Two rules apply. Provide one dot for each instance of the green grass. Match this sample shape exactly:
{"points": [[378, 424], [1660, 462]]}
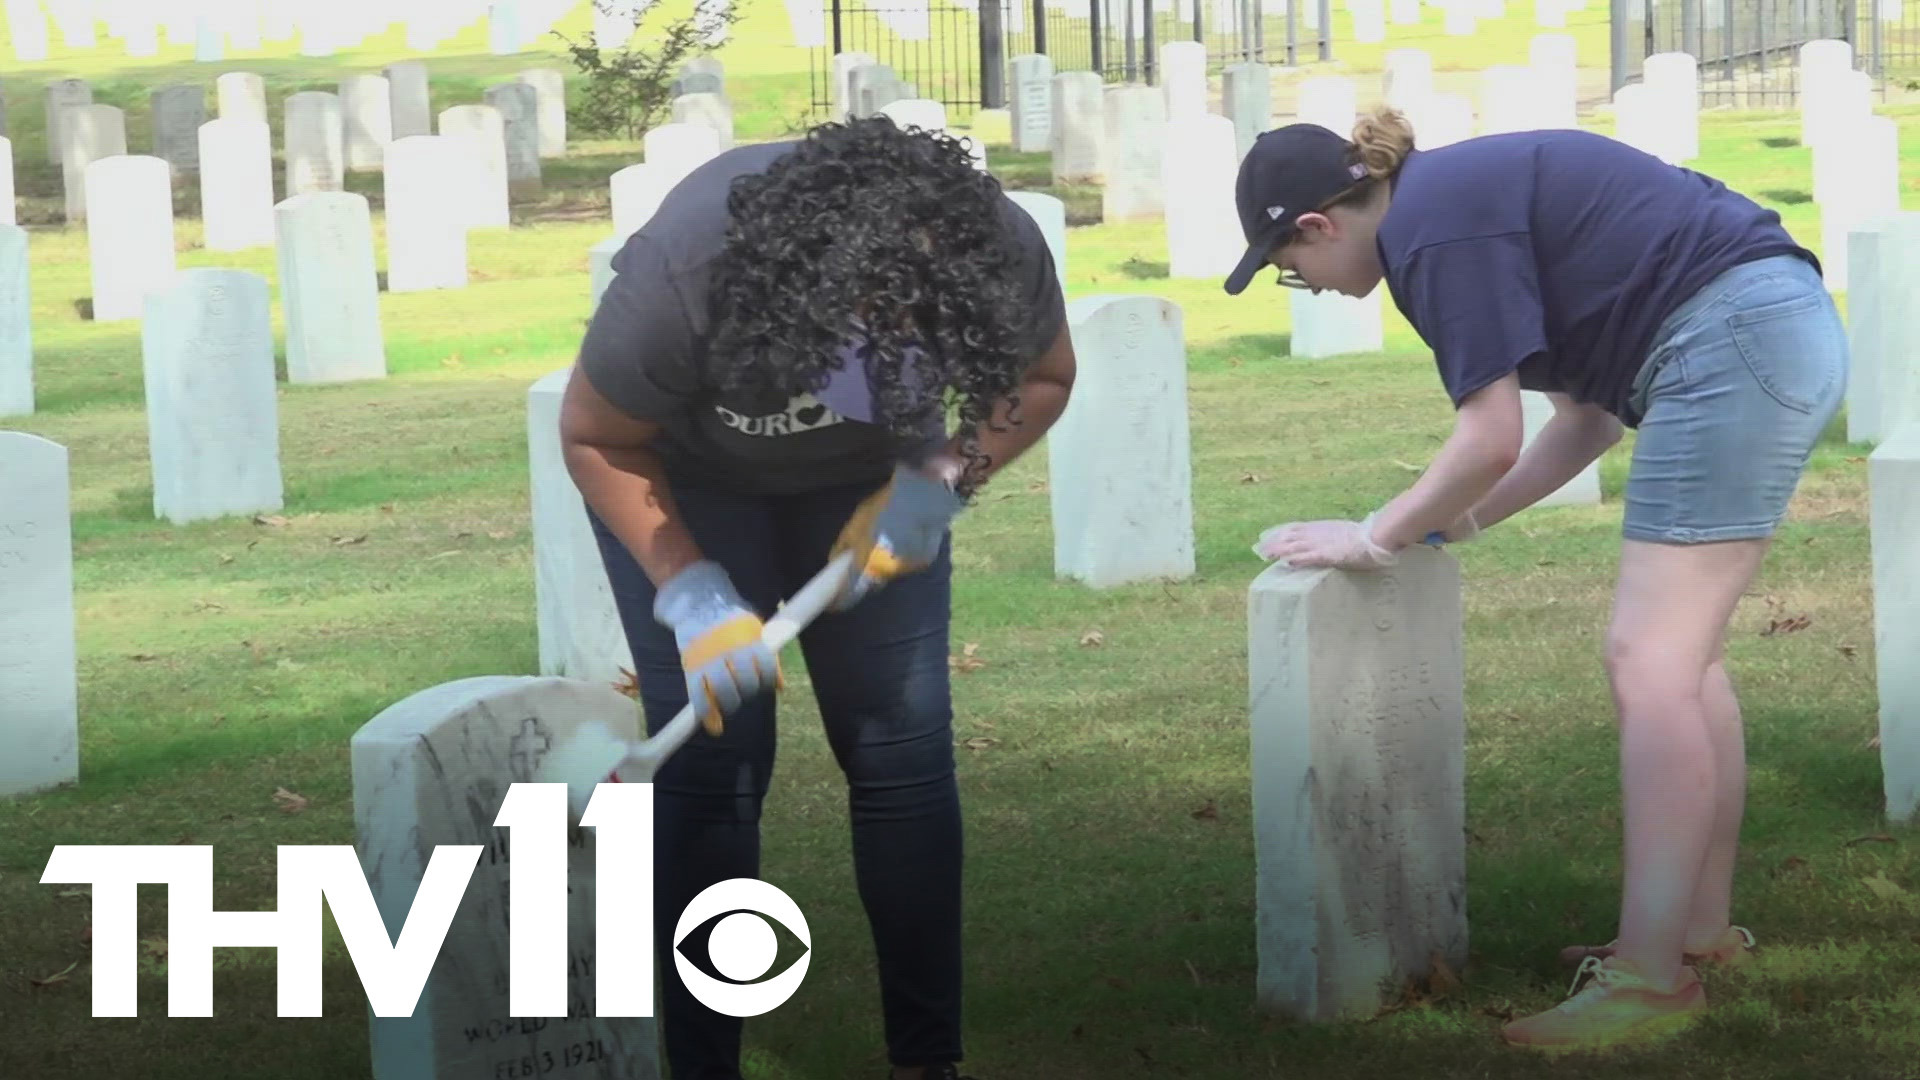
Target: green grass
{"points": [[1110, 929]]}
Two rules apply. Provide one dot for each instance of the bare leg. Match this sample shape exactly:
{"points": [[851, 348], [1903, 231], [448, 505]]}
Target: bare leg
{"points": [[1713, 896], [1670, 614]]}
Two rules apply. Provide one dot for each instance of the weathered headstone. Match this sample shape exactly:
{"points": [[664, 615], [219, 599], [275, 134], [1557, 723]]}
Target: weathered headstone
{"points": [[1183, 78], [580, 632], [1584, 489], [1032, 103], [129, 233], [1136, 125], [366, 110], [178, 112], [40, 717], [1079, 127], [923, 113], [872, 86], [432, 771], [410, 98], [479, 135], [844, 65], [1246, 93], [519, 106], [707, 110], [1358, 720], [90, 133], [550, 105], [1119, 460], [212, 418], [61, 94], [1051, 215], [315, 138], [426, 233], [236, 184], [1883, 293], [329, 288], [16, 325], [1198, 166], [242, 95]]}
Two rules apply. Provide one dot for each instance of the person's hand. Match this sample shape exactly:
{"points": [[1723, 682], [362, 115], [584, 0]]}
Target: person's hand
{"points": [[1464, 528], [725, 662], [896, 530], [1345, 545]]}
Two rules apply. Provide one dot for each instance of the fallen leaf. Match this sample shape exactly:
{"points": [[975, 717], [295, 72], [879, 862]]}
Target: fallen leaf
{"points": [[967, 660], [386, 508], [1855, 460], [463, 535], [1195, 972], [1873, 743], [1093, 639], [1117, 982], [501, 534], [1409, 466], [1250, 478], [207, 605], [629, 684], [155, 947], [142, 657], [57, 977], [289, 802], [1209, 812], [1882, 888], [443, 555], [981, 742], [225, 559], [1847, 651], [1079, 1032], [1037, 487], [1792, 863], [1786, 626], [1441, 981], [1502, 1013], [74, 894], [1877, 838], [274, 521], [348, 541]]}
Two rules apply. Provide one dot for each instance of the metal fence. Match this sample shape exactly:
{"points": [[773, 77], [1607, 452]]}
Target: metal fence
{"points": [[1748, 50], [956, 52]]}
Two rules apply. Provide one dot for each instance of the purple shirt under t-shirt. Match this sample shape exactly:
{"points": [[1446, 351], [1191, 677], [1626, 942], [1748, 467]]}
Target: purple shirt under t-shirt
{"points": [[1558, 253]]}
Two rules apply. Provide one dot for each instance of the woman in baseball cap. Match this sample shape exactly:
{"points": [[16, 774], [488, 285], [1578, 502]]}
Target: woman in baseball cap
{"points": [[767, 382], [1635, 294]]}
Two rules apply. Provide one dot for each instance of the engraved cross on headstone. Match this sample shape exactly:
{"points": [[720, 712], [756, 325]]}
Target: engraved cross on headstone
{"points": [[527, 749]]}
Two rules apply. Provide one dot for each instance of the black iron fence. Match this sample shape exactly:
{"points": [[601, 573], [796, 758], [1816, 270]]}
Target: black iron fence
{"points": [[1748, 50], [956, 52]]}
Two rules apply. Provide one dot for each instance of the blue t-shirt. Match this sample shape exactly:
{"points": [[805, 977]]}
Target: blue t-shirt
{"points": [[1558, 253]]}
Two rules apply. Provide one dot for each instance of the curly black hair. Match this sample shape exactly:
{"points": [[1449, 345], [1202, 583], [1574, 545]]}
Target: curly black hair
{"points": [[893, 230]]}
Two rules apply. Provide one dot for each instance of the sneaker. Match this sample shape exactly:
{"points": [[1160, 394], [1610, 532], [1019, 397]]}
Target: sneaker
{"points": [[1733, 950], [1615, 1006]]}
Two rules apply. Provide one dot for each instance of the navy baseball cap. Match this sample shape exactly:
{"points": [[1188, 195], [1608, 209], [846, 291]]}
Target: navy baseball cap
{"points": [[1287, 172]]}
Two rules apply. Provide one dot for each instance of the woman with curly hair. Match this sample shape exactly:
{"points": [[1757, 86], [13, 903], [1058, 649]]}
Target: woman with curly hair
{"points": [[765, 384], [1635, 294]]}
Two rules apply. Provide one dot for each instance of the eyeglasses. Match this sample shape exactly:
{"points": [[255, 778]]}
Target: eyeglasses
{"points": [[1292, 280]]}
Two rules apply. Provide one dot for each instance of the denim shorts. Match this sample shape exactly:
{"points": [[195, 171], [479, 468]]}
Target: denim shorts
{"points": [[1737, 388]]}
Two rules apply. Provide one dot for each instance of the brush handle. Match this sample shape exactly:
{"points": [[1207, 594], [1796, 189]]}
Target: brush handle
{"points": [[794, 616]]}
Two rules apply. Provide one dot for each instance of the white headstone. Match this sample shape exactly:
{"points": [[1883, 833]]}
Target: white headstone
{"points": [[61, 94], [1583, 490], [1883, 293], [844, 65], [143, 39], [1893, 481], [635, 193], [236, 184], [212, 418], [426, 233], [1409, 78], [706, 110], [1369, 21], [1246, 93], [480, 135], [550, 94], [366, 109], [1554, 59], [1199, 162], [242, 95], [410, 98], [1674, 81], [1863, 184], [922, 113], [1051, 215], [1404, 12], [1846, 101], [129, 233], [1183, 78], [209, 44], [430, 772], [40, 721], [676, 150], [329, 288], [1136, 124], [6, 179], [315, 136], [178, 112], [1079, 127], [1119, 460], [519, 106], [580, 632], [91, 132], [1330, 101], [1331, 324], [16, 325], [1822, 62], [1512, 98], [1442, 120], [1358, 715], [1461, 18], [1550, 14], [1032, 103], [600, 272]]}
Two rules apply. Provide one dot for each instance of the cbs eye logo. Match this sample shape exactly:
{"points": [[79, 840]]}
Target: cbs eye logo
{"points": [[742, 947]]}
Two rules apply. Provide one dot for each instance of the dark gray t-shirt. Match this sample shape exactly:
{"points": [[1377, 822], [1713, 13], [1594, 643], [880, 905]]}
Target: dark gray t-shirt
{"points": [[646, 351]]}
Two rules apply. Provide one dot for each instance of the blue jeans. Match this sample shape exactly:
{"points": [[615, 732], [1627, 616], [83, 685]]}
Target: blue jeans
{"points": [[1739, 384], [879, 673]]}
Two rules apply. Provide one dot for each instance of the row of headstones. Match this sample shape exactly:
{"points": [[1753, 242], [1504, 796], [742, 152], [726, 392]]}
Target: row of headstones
{"points": [[325, 134], [329, 293], [212, 28]]}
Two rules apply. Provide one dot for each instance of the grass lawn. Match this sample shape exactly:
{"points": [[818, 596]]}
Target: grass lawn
{"points": [[1109, 842]]}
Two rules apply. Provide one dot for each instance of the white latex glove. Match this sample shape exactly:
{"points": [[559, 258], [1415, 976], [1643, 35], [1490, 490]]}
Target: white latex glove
{"points": [[1463, 529], [1347, 545]]}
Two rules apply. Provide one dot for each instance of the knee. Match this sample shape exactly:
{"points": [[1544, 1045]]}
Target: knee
{"points": [[1639, 668]]}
